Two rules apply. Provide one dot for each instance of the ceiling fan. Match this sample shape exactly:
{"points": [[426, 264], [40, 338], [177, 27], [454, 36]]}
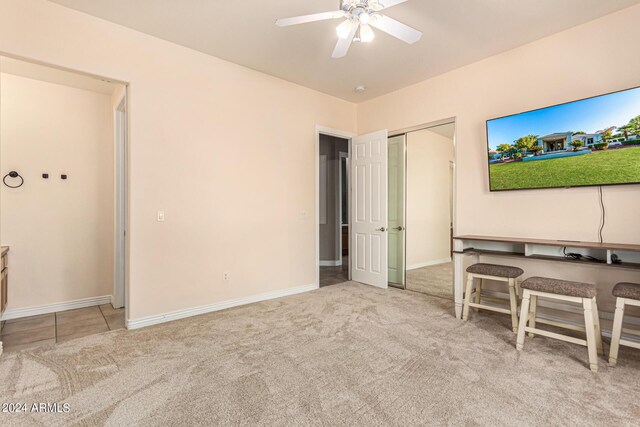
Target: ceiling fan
{"points": [[360, 16]]}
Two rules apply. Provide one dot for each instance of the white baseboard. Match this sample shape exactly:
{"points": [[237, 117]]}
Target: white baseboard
{"points": [[53, 308], [428, 263], [336, 263], [181, 314]]}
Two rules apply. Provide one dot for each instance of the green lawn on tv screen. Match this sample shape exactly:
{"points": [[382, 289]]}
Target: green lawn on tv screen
{"points": [[600, 167]]}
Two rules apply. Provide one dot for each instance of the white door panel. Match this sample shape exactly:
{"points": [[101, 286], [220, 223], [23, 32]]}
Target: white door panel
{"points": [[369, 209]]}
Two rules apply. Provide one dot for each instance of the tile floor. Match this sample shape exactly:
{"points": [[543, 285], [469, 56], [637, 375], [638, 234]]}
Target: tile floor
{"points": [[334, 275], [46, 329]]}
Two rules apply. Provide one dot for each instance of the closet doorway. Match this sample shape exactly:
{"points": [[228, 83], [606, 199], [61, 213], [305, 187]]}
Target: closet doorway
{"points": [[421, 214]]}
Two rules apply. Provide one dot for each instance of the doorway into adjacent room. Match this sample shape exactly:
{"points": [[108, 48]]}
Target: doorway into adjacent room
{"points": [[333, 227], [63, 149]]}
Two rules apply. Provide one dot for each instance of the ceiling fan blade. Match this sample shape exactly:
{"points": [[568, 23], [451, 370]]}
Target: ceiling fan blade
{"points": [[386, 4], [343, 45], [397, 29], [285, 22]]}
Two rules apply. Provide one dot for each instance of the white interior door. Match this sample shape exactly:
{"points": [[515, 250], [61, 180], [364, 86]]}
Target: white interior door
{"points": [[369, 262]]}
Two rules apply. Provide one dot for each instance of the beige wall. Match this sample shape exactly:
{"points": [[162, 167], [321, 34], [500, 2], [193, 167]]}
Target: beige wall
{"points": [[532, 76], [203, 133], [60, 231], [428, 198]]}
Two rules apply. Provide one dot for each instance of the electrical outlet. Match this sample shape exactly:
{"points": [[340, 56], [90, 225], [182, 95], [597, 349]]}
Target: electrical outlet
{"points": [[226, 276], [303, 214], [160, 216]]}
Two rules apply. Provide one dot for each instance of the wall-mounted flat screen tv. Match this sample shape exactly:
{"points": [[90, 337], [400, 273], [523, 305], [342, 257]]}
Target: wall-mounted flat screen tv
{"points": [[591, 142]]}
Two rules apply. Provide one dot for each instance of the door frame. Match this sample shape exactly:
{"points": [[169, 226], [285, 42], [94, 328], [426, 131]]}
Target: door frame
{"points": [[120, 288], [342, 155], [323, 130]]}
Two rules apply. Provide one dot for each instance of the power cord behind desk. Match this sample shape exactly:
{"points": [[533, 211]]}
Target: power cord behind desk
{"points": [[578, 256]]}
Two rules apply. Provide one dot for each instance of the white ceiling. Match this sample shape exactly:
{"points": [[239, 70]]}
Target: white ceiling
{"points": [[55, 75], [456, 33]]}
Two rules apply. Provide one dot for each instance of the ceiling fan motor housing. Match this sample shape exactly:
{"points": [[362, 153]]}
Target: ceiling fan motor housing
{"points": [[356, 7]]}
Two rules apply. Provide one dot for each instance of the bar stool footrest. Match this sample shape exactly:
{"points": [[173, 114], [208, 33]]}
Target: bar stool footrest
{"points": [[560, 324], [556, 336], [490, 308], [632, 344]]}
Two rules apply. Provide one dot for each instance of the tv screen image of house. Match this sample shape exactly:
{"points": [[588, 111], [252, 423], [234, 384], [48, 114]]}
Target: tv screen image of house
{"points": [[591, 142]]}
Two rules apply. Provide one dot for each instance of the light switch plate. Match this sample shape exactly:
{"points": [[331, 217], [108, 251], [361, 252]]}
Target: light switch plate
{"points": [[160, 216]]}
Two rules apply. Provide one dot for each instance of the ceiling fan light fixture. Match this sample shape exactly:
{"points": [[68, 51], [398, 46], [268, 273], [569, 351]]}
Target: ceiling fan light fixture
{"points": [[344, 29], [364, 18], [366, 34]]}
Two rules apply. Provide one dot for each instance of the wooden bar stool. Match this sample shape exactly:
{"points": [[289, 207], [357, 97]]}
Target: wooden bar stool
{"points": [[626, 294], [501, 273], [582, 293]]}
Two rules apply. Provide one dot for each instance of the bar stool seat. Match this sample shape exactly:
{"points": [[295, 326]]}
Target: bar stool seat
{"points": [[560, 287], [626, 294], [563, 290], [502, 273], [505, 271], [627, 290]]}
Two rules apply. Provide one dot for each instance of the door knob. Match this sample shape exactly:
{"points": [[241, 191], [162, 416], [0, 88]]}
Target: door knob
{"points": [[399, 228], [381, 229]]}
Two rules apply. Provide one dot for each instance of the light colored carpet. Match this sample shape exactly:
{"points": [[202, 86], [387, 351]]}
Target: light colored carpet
{"points": [[347, 354], [436, 280]]}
